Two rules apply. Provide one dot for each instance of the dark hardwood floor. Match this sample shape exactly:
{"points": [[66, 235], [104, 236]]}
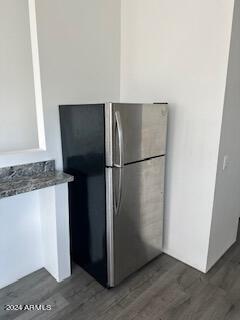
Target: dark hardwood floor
{"points": [[166, 289]]}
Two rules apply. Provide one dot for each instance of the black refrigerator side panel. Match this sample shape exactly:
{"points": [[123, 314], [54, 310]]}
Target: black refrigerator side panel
{"points": [[83, 147]]}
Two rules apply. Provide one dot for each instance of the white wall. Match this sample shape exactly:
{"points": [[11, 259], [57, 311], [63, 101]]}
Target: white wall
{"points": [[18, 123], [177, 51], [20, 237], [79, 44], [226, 207]]}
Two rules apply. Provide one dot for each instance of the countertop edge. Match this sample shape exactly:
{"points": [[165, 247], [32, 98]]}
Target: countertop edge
{"points": [[56, 178]]}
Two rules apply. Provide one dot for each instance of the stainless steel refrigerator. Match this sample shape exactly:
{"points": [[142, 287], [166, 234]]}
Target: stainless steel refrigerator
{"points": [[116, 152]]}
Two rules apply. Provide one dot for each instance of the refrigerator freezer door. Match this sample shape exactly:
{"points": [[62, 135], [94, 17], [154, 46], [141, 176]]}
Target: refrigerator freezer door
{"points": [[141, 129], [136, 228]]}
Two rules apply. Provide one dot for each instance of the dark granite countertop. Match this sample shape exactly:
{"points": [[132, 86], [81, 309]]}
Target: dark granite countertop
{"points": [[29, 177]]}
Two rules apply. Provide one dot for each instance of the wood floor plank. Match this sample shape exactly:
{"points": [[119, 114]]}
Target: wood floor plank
{"points": [[12, 291], [107, 303], [165, 289], [57, 303], [152, 303]]}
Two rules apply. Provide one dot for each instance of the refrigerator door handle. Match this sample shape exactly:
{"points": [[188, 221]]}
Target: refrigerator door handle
{"points": [[119, 166], [118, 198], [120, 139]]}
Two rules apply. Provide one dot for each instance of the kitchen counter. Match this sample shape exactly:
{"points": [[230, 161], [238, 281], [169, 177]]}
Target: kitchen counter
{"points": [[29, 177]]}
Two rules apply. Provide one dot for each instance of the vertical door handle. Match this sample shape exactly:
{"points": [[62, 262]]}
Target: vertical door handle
{"points": [[119, 166], [120, 139], [118, 195]]}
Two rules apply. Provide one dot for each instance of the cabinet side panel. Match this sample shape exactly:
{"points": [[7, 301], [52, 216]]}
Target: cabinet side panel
{"points": [[83, 145]]}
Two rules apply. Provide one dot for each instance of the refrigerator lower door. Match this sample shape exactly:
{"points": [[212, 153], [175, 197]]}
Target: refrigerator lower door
{"points": [[135, 225]]}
